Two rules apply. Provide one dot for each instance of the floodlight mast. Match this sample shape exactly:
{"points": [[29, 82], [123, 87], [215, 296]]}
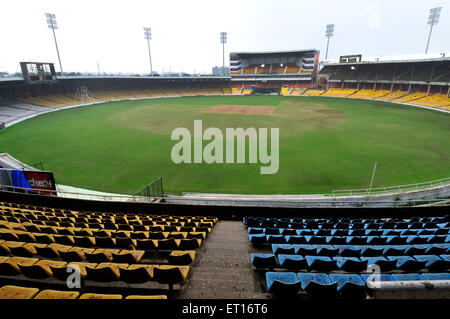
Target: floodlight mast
{"points": [[329, 32], [223, 40], [52, 24], [433, 19], [148, 37]]}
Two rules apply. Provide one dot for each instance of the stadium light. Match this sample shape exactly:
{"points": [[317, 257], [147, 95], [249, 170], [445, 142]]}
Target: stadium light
{"points": [[52, 24], [148, 37], [329, 32], [433, 19], [223, 40]]}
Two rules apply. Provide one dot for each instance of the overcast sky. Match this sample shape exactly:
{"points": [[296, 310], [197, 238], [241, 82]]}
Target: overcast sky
{"points": [[186, 32]]}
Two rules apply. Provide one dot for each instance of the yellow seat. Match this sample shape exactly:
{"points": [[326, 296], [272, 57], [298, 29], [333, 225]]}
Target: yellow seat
{"points": [[57, 294], [100, 296], [146, 297], [16, 292], [181, 257]]}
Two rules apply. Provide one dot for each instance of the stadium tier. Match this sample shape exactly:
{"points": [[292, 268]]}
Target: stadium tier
{"points": [[338, 256], [339, 92], [38, 243]]}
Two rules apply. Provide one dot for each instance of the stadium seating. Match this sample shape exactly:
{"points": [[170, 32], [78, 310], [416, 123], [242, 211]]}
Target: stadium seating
{"points": [[410, 98], [369, 94], [334, 257], [435, 100], [42, 243], [392, 96], [339, 92]]}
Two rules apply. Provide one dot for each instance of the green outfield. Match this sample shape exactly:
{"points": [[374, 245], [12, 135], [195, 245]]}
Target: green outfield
{"points": [[325, 144]]}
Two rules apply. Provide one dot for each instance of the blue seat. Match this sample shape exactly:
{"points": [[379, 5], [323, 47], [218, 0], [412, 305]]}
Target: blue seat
{"points": [[288, 232], [371, 251], [395, 240], [305, 250], [292, 262], [257, 238], [283, 249], [339, 232], [392, 232], [316, 239], [407, 263], [445, 257], [434, 263], [403, 277], [295, 239], [416, 239], [411, 250], [327, 251], [373, 232], [255, 230], [351, 264], [272, 231], [282, 282], [436, 276], [317, 284], [263, 260], [437, 239], [305, 232], [376, 240], [436, 249], [349, 284], [382, 262], [394, 251], [350, 251], [321, 263], [356, 240], [336, 240], [275, 239]]}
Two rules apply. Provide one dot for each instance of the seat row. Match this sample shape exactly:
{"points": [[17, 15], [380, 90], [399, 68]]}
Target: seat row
{"points": [[358, 251], [348, 285], [18, 292], [349, 240], [35, 268], [350, 232], [351, 264], [341, 225], [74, 253]]}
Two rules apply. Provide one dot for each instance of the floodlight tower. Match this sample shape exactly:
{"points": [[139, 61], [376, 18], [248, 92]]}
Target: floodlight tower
{"points": [[433, 19], [52, 24], [148, 37], [329, 32], [223, 40]]}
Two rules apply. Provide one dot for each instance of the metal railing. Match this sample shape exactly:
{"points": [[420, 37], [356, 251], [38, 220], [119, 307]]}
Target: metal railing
{"points": [[391, 189], [152, 190]]}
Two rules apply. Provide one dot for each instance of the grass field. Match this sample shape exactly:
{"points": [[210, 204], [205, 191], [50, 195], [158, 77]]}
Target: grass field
{"points": [[325, 144]]}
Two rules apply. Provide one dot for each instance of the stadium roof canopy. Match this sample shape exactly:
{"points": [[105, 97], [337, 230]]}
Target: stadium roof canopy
{"points": [[394, 59], [274, 53]]}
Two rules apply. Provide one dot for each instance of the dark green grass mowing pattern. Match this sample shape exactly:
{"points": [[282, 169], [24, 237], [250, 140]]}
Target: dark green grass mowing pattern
{"points": [[325, 144]]}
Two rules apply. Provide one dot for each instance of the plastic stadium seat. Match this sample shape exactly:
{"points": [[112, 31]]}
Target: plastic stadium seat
{"points": [[376, 240], [305, 250], [8, 268], [182, 258], [291, 232], [351, 264], [57, 294], [368, 251], [356, 240], [407, 263], [415, 250], [125, 242], [157, 235], [105, 242], [321, 263], [292, 262], [16, 292], [283, 283], [146, 297], [105, 272], [100, 296], [283, 249], [189, 244], [349, 284], [263, 260], [436, 249], [257, 238], [336, 240], [41, 269], [317, 284], [295, 239], [272, 231], [316, 239], [146, 244], [414, 239], [254, 230], [136, 274], [275, 239], [350, 251], [329, 251], [434, 263], [436, 276], [164, 274], [403, 277], [382, 262], [83, 241], [394, 251], [128, 256], [63, 272]]}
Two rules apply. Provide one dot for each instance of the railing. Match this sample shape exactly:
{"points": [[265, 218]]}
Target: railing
{"points": [[194, 201], [391, 189], [152, 190]]}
